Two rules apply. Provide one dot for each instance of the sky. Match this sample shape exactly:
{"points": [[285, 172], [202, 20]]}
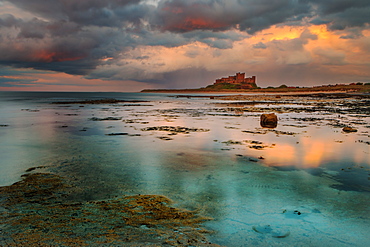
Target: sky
{"points": [[130, 45]]}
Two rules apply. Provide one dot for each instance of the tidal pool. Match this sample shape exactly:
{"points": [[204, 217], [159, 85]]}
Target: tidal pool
{"points": [[303, 183]]}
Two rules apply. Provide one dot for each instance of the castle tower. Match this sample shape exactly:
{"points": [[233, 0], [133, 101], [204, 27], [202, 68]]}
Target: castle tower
{"points": [[239, 78]]}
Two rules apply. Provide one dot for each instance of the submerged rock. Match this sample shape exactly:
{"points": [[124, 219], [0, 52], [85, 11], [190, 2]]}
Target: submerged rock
{"points": [[269, 120], [276, 232]]}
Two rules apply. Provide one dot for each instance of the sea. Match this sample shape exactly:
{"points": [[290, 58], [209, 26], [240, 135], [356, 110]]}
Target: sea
{"points": [[303, 183]]}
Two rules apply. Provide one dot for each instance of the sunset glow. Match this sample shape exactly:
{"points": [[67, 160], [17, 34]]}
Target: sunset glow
{"points": [[281, 42], [48, 57]]}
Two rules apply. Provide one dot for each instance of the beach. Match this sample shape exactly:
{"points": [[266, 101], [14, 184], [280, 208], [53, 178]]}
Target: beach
{"points": [[184, 169]]}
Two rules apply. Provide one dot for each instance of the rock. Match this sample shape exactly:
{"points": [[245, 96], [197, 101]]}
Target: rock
{"points": [[174, 129], [349, 129], [117, 134], [105, 119], [165, 138], [269, 120]]}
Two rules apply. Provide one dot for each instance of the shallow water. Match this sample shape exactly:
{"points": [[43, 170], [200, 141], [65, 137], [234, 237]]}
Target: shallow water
{"points": [[311, 188]]}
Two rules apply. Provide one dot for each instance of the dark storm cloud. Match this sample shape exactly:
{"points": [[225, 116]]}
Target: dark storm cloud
{"points": [[341, 14], [59, 46], [72, 36], [75, 37], [255, 15], [84, 12], [217, 15]]}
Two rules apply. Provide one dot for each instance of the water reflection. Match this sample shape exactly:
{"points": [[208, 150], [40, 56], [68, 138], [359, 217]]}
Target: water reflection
{"points": [[315, 170]]}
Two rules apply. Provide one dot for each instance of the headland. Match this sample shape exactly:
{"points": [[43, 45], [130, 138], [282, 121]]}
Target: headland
{"points": [[239, 84]]}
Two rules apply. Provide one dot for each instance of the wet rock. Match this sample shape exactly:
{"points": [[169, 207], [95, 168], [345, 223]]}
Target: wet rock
{"points": [[258, 147], [30, 110], [255, 132], [231, 142], [117, 134], [268, 120], [265, 131], [177, 129], [4, 125], [366, 142], [165, 138], [105, 119], [31, 169], [349, 129]]}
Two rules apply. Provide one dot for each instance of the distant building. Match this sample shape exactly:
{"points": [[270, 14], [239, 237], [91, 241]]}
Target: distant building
{"points": [[239, 78]]}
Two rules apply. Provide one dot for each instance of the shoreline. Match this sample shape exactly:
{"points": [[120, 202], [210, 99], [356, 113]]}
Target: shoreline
{"points": [[323, 89], [244, 92], [221, 95]]}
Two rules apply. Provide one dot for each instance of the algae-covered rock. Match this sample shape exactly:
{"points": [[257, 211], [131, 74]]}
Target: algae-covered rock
{"points": [[34, 212]]}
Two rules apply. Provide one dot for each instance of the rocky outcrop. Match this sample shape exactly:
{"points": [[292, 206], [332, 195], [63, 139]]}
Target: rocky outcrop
{"points": [[269, 120]]}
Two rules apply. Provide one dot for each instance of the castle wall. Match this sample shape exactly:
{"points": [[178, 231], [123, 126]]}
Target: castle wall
{"points": [[239, 78]]}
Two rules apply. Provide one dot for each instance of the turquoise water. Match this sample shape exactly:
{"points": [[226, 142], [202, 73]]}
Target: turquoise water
{"points": [[311, 188]]}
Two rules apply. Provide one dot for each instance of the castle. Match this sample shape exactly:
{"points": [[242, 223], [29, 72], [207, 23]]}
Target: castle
{"points": [[238, 79]]}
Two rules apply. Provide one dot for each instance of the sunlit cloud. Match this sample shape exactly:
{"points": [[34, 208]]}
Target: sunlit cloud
{"points": [[156, 42]]}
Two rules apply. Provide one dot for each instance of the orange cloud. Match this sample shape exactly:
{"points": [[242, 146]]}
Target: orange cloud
{"points": [[280, 33], [47, 56], [194, 23]]}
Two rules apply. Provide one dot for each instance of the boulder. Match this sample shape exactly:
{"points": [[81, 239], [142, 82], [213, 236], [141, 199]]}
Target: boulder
{"points": [[269, 120], [349, 129]]}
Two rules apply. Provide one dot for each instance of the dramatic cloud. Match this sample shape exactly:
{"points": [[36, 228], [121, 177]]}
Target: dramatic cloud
{"points": [[164, 41]]}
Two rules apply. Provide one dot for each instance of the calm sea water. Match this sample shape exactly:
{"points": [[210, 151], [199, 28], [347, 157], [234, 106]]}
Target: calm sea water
{"points": [[312, 185]]}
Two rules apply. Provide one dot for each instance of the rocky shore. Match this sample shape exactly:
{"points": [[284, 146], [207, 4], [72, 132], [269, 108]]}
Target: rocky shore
{"points": [[36, 212]]}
